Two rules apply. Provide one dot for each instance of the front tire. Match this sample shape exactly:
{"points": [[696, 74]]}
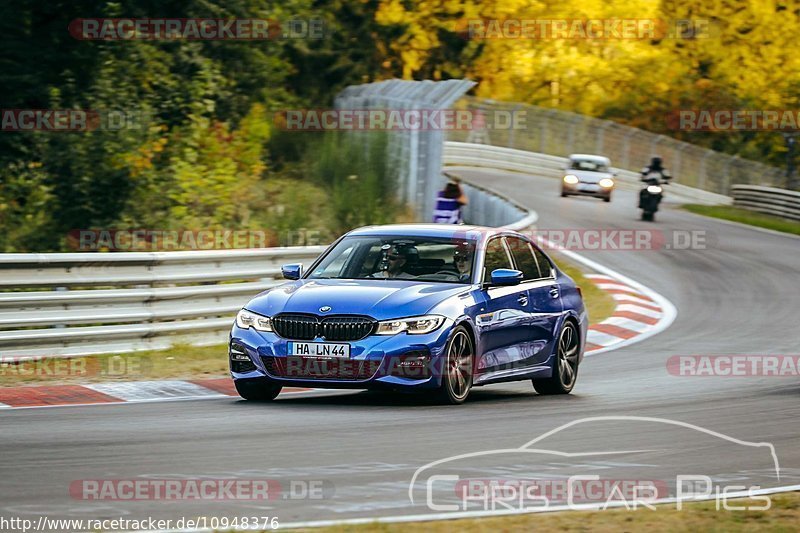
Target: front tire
{"points": [[457, 368], [257, 390], [565, 368]]}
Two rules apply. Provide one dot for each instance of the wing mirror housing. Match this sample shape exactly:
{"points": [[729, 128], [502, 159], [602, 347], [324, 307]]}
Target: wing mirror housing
{"points": [[292, 271], [506, 276]]}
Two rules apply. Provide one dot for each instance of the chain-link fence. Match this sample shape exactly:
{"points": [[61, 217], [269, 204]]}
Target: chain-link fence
{"points": [[556, 132], [414, 154]]}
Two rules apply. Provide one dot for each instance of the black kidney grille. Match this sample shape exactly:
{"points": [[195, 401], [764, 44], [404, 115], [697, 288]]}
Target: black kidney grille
{"points": [[342, 328], [332, 328], [299, 327]]}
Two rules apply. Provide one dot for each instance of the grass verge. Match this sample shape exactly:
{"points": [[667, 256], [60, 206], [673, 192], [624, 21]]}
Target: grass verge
{"points": [[599, 303], [745, 216], [783, 516], [197, 362], [178, 362]]}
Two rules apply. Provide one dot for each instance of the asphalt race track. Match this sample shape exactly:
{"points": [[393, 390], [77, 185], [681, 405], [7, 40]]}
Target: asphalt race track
{"points": [[739, 295]]}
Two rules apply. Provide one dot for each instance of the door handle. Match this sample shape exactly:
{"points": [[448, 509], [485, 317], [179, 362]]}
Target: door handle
{"points": [[522, 300], [554, 292]]}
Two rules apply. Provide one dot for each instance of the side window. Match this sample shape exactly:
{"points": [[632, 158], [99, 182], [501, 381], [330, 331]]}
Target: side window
{"points": [[523, 258], [496, 257], [545, 266]]}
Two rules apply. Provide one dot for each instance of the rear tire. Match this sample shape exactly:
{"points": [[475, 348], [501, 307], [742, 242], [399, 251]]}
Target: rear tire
{"points": [[457, 367], [565, 367], [256, 390]]}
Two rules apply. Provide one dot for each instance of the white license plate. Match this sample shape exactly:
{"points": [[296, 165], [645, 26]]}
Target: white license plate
{"points": [[319, 349], [588, 187]]}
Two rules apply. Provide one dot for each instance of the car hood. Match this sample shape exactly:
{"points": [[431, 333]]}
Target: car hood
{"points": [[379, 298], [587, 176]]}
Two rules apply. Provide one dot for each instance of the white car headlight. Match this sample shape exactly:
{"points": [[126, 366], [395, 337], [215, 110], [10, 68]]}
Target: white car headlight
{"points": [[606, 183], [654, 189], [415, 325], [247, 319], [571, 179]]}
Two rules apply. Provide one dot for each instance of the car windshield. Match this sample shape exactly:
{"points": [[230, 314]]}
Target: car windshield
{"points": [[590, 165], [444, 260]]}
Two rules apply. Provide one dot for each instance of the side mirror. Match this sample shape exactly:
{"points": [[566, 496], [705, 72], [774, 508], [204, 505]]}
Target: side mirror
{"points": [[292, 271], [506, 276]]}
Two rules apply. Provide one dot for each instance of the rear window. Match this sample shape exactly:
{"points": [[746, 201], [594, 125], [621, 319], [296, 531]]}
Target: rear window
{"points": [[523, 258]]}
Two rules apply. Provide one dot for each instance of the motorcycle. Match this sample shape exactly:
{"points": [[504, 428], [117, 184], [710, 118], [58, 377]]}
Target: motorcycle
{"points": [[651, 195]]}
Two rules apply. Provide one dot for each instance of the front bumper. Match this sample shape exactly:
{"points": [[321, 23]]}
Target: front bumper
{"points": [[586, 189], [377, 361]]}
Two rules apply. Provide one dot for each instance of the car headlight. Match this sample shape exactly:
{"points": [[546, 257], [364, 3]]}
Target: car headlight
{"points": [[415, 325], [571, 179], [606, 182], [247, 319], [654, 189]]}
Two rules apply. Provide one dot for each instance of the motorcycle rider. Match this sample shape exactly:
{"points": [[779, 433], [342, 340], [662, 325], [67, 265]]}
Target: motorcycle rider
{"points": [[653, 174]]}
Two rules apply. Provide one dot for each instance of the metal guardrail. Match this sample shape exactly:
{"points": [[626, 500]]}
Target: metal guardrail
{"points": [[84, 303], [770, 200], [488, 208]]}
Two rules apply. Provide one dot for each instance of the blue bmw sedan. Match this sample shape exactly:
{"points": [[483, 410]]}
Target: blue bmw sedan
{"points": [[415, 307]]}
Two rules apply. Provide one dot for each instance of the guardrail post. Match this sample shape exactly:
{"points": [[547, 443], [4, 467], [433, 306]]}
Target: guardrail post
{"points": [[600, 137], [512, 133], [543, 132], [726, 179], [701, 179], [626, 148], [654, 144], [676, 167]]}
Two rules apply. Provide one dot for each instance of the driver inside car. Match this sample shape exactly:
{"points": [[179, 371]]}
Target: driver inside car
{"points": [[462, 258], [396, 259]]}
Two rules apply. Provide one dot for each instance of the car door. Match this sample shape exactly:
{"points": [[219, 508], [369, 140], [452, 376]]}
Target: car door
{"points": [[504, 321], [542, 309], [544, 295]]}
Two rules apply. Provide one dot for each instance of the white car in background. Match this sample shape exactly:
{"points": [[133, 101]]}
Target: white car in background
{"points": [[588, 175]]}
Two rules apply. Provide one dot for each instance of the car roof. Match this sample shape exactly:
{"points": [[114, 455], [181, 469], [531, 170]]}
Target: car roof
{"points": [[447, 231], [590, 157]]}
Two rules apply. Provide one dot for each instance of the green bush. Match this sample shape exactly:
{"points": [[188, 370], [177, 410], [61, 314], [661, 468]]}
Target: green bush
{"points": [[353, 167]]}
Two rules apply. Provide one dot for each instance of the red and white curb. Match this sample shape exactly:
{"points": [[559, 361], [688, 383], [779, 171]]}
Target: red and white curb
{"points": [[635, 314], [641, 312], [120, 392]]}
